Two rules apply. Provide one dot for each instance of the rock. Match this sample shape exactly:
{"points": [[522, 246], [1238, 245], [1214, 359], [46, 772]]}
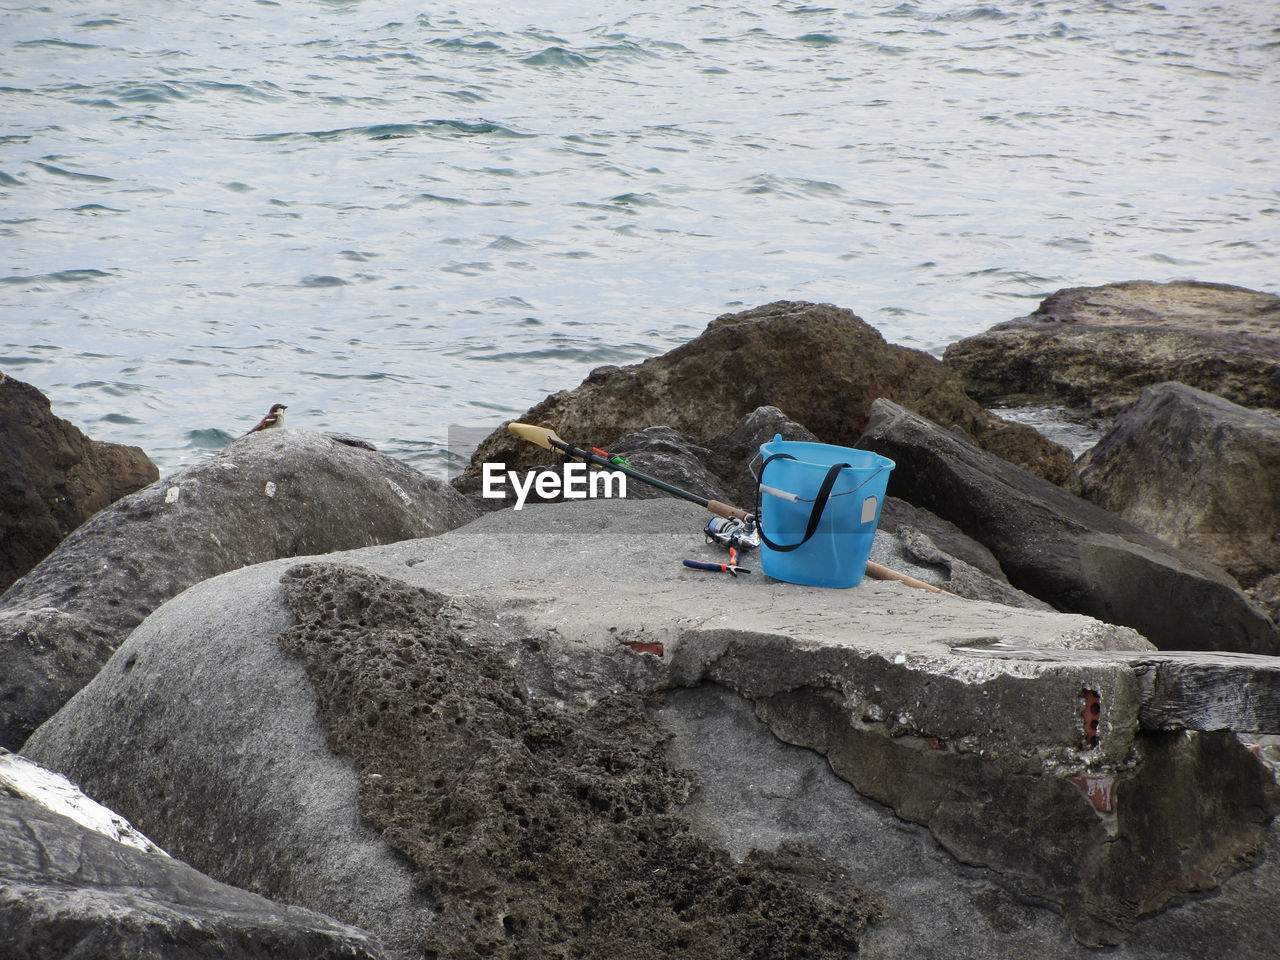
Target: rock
{"points": [[818, 364], [663, 453], [1198, 471], [20, 777], [758, 791], [53, 477], [530, 814], [945, 535], [911, 551], [68, 891], [1065, 550], [272, 494], [217, 754], [487, 711], [1098, 347], [659, 452], [1266, 594], [732, 453]]}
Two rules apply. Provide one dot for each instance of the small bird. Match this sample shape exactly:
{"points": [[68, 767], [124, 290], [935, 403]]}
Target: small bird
{"points": [[274, 418]]}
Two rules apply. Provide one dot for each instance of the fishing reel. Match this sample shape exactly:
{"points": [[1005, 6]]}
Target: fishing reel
{"points": [[732, 532]]}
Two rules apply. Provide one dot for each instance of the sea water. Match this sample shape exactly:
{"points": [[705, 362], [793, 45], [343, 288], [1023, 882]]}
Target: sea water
{"points": [[397, 217]]}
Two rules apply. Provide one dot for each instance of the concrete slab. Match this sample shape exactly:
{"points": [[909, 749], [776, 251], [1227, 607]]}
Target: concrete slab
{"points": [[617, 563], [608, 573]]}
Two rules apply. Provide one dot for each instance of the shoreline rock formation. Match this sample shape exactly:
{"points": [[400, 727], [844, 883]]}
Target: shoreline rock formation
{"points": [[1196, 470], [271, 494], [822, 366], [52, 477], [540, 731], [1065, 550], [70, 888], [1098, 347], [901, 690]]}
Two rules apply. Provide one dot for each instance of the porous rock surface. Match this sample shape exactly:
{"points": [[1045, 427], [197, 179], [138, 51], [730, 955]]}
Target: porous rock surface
{"points": [[537, 826], [53, 477], [464, 693], [821, 365], [277, 493], [1097, 347], [1198, 471], [68, 891], [1065, 550]]}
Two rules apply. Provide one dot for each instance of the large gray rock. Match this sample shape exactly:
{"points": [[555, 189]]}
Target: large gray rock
{"points": [[1198, 471], [491, 795], [487, 694], [1065, 550], [945, 535], [757, 791], [53, 477], [908, 549], [218, 756], [1098, 347], [819, 364], [278, 493], [68, 891], [732, 454]]}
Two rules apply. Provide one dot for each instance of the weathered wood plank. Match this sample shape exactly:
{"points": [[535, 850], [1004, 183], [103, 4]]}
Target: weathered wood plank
{"points": [[1180, 690], [1189, 695]]}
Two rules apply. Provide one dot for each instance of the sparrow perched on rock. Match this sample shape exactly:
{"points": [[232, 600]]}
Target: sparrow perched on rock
{"points": [[274, 418]]}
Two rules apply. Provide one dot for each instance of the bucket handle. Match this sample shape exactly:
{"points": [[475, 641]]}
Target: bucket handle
{"points": [[815, 512]]}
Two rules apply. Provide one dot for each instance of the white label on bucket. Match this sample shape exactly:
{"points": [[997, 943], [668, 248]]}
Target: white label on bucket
{"points": [[868, 509]]}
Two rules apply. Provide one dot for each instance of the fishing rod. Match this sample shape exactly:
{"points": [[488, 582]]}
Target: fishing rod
{"points": [[548, 439]]}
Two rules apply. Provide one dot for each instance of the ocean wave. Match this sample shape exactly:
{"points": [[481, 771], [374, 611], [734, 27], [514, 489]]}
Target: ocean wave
{"points": [[72, 174], [557, 57], [59, 276], [793, 187], [595, 354], [974, 13], [819, 39], [627, 50], [508, 243], [112, 388], [393, 131], [467, 45], [54, 42], [146, 93], [208, 438], [97, 208]]}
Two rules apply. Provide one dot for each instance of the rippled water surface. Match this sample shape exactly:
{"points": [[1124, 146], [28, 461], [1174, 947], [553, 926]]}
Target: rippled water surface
{"points": [[395, 217]]}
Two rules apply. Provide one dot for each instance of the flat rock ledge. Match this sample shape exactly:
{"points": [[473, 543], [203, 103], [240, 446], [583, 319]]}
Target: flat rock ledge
{"points": [[1065, 798]]}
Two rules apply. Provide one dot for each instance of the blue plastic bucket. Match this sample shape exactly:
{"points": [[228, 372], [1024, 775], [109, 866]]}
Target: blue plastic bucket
{"points": [[818, 519]]}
